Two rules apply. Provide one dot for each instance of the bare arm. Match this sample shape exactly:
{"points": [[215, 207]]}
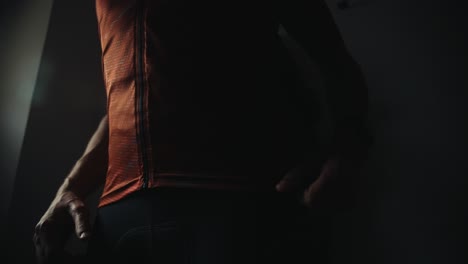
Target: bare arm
{"points": [[311, 24], [68, 211], [89, 172]]}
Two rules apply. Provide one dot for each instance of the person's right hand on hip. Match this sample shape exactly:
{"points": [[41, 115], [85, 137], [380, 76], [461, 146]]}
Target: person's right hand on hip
{"points": [[67, 213]]}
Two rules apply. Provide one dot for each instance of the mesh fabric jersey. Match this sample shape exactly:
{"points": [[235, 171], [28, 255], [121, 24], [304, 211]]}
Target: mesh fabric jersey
{"points": [[200, 94]]}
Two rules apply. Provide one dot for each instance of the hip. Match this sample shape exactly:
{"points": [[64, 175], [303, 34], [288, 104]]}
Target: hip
{"points": [[173, 225]]}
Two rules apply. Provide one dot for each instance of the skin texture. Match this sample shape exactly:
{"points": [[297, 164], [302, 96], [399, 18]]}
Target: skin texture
{"points": [[312, 26], [68, 212]]}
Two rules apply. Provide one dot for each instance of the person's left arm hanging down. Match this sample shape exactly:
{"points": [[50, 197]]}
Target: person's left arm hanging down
{"points": [[311, 24]]}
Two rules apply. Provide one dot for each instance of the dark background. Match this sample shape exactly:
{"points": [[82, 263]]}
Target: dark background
{"points": [[412, 194]]}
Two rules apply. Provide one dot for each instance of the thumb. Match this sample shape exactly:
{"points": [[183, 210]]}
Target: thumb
{"points": [[300, 176], [328, 172], [296, 178], [80, 216]]}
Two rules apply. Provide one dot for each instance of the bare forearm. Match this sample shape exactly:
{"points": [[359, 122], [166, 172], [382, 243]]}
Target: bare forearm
{"points": [[312, 25], [89, 172]]}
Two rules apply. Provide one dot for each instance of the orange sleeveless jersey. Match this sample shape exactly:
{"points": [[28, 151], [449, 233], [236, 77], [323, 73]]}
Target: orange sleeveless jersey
{"points": [[200, 94]]}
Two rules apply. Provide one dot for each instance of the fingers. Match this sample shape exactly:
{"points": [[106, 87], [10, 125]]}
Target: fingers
{"points": [[38, 244], [300, 176], [310, 194], [53, 229], [327, 174], [80, 216], [47, 242], [290, 182]]}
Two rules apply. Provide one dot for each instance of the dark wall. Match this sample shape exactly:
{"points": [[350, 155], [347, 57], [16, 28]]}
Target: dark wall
{"points": [[412, 197], [68, 103], [23, 26]]}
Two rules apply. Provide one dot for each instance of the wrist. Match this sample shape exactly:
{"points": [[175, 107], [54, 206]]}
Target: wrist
{"points": [[71, 188]]}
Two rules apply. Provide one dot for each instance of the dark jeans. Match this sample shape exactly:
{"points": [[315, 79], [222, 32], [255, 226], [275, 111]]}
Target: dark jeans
{"points": [[172, 226]]}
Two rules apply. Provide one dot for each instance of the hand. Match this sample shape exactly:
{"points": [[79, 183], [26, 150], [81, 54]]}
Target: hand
{"points": [[333, 180], [67, 212], [298, 180]]}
